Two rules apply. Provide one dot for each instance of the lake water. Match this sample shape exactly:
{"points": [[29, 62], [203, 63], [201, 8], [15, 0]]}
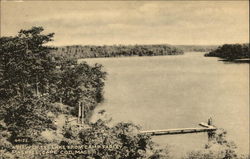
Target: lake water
{"points": [[165, 92]]}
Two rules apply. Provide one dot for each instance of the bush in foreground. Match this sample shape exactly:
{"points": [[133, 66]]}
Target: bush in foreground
{"points": [[218, 148]]}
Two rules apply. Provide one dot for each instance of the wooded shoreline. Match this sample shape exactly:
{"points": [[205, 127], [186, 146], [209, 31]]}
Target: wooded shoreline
{"points": [[38, 87]]}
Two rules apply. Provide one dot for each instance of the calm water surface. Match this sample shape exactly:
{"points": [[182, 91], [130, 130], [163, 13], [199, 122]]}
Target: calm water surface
{"points": [[178, 91]]}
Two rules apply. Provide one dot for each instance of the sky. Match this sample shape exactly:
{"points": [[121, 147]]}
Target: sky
{"points": [[131, 22]]}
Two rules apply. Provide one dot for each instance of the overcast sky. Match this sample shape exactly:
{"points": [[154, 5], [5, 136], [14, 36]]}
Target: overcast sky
{"points": [[131, 22]]}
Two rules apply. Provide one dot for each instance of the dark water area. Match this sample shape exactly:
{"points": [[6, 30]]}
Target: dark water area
{"points": [[165, 92]]}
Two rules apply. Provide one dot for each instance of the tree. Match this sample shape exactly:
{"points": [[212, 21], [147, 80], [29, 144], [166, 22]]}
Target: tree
{"points": [[26, 64], [33, 80], [81, 83]]}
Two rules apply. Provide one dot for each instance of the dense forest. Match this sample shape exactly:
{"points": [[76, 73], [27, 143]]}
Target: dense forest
{"points": [[231, 52], [91, 51], [39, 97]]}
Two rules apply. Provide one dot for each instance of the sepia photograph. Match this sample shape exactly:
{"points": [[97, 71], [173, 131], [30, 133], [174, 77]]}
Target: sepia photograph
{"points": [[124, 79]]}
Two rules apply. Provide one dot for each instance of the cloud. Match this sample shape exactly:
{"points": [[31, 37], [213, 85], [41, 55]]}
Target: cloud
{"points": [[177, 22]]}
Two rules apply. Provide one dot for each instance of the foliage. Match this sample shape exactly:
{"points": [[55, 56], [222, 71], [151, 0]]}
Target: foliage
{"points": [[82, 81], [77, 51], [231, 51], [28, 116], [125, 138], [78, 83], [28, 69], [33, 81], [5, 145], [25, 63], [218, 148]]}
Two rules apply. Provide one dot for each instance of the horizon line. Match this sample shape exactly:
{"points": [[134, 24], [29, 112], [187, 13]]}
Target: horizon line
{"points": [[119, 44]]}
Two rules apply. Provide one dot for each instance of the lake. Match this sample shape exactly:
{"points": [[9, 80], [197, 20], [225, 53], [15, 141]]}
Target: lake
{"points": [[164, 92]]}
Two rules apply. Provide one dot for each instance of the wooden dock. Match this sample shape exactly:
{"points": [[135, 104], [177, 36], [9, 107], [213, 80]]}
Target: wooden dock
{"points": [[209, 128], [177, 131], [205, 127]]}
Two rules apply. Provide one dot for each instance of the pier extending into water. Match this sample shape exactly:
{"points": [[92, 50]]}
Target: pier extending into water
{"points": [[205, 127], [209, 128]]}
